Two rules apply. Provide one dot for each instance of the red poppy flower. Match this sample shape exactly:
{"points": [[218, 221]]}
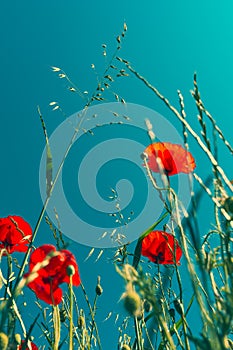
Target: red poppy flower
{"points": [[49, 277], [33, 346], [174, 158], [15, 234], [159, 247]]}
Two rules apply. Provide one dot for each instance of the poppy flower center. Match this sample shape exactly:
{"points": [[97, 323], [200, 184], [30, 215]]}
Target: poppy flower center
{"points": [[159, 258], [47, 279]]}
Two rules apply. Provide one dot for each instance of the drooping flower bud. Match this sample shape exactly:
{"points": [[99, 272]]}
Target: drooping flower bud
{"points": [[98, 288]]}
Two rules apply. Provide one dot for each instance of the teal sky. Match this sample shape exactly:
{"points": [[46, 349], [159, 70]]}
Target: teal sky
{"points": [[166, 42]]}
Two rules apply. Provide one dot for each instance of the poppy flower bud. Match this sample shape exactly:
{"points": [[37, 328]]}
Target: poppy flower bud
{"points": [[63, 314], [172, 314], [144, 156], [125, 347], [132, 303], [70, 270], [81, 322], [3, 341], [178, 307], [228, 205], [147, 306], [17, 339], [98, 288]]}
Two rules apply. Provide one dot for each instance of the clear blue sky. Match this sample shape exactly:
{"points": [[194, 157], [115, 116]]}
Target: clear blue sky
{"points": [[166, 42]]}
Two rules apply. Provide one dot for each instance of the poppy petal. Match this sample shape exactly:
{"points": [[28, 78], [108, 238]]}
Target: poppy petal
{"points": [[15, 233], [46, 284], [161, 247], [174, 158]]}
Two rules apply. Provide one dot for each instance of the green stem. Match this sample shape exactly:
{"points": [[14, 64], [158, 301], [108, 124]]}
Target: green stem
{"points": [[138, 335], [57, 327], [92, 317], [71, 314], [92, 325]]}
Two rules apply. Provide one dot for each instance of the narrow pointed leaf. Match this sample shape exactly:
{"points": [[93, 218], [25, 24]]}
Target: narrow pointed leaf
{"points": [[49, 170], [179, 323], [49, 160], [138, 248]]}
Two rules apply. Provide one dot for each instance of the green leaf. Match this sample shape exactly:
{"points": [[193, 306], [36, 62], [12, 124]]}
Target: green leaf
{"points": [[49, 170], [49, 160], [154, 225], [179, 323]]}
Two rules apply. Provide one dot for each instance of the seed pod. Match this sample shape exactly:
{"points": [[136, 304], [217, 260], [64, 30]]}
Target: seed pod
{"points": [[17, 339], [3, 341], [178, 306], [147, 306], [228, 205], [81, 322], [98, 288], [70, 270], [125, 347], [63, 314]]}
